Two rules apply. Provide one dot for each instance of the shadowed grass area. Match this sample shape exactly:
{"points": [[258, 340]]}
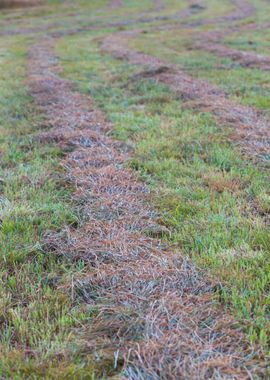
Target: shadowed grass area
{"points": [[39, 319], [216, 203]]}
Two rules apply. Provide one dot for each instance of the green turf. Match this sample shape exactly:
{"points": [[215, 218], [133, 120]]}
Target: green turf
{"points": [[214, 201], [248, 86], [38, 315]]}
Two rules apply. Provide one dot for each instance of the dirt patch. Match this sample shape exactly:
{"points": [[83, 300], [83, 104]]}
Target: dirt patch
{"points": [[250, 129], [156, 314]]}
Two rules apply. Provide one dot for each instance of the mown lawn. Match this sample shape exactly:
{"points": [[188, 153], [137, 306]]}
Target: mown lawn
{"points": [[215, 201], [38, 316], [247, 86]]}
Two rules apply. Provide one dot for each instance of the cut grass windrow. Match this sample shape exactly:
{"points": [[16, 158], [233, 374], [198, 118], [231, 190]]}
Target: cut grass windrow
{"points": [[244, 58], [195, 172], [251, 130], [154, 312], [244, 85], [38, 315], [134, 235], [173, 12]]}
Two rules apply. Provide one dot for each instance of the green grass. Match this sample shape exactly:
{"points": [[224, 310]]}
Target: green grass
{"points": [[214, 8], [40, 323], [256, 41], [248, 86], [262, 11], [215, 202], [55, 8], [67, 12]]}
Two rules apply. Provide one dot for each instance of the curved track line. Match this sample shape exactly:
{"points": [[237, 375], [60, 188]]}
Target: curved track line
{"points": [[243, 9], [153, 306], [180, 15], [194, 8], [251, 129], [244, 58], [212, 42]]}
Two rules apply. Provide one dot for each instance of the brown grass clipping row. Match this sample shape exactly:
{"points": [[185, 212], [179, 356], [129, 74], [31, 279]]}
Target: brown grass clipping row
{"points": [[155, 315], [250, 129]]}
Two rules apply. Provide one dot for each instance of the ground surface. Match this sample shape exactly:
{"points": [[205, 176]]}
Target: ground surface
{"points": [[135, 196]]}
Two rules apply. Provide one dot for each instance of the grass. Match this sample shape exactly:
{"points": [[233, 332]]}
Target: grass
{"points": [[81, 11], [256, 41], [214, 8], [262, 9], [248, 86], [215, 202], [97, 11], [40, 322]]}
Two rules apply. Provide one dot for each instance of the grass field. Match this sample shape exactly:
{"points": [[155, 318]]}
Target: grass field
{"points": [[89, 131]]}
